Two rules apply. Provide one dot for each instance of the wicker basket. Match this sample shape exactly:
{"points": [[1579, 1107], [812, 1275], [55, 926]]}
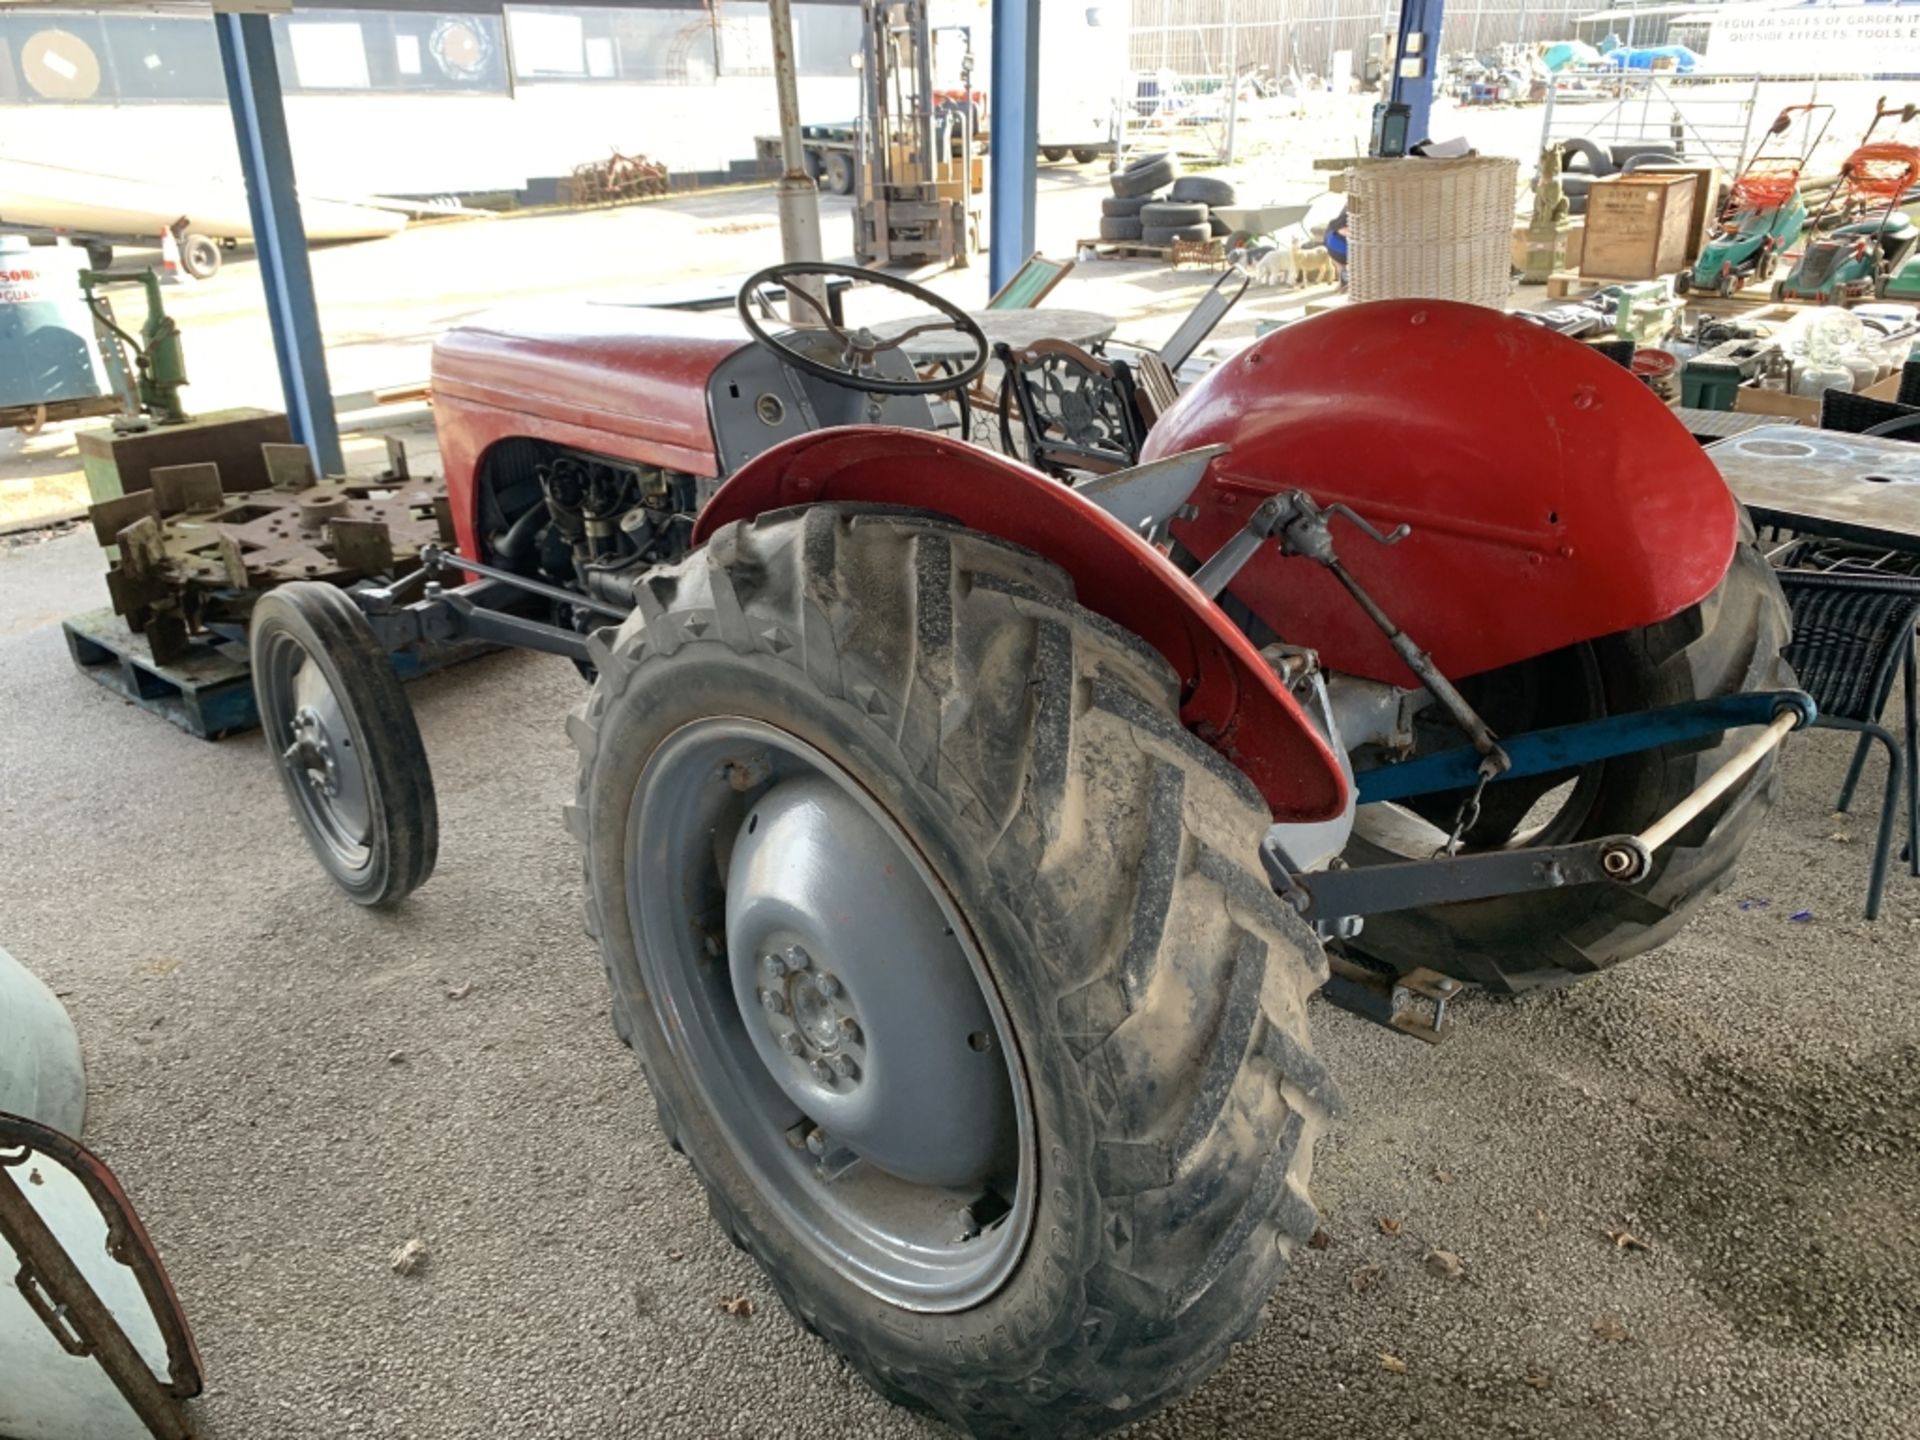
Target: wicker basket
{"points": [[1432, 229]]}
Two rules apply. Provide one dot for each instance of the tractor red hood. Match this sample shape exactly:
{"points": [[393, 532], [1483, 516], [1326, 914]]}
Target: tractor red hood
{"points": [[623, 370], [1552, 497]]}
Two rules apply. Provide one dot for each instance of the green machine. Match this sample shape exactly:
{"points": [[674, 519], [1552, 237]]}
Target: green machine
{"points": [[1764, 212], [1861, 237], [159, 354]]}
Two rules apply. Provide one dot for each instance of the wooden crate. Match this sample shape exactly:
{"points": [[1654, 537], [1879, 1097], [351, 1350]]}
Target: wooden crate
{"points": [[1706, 200], [1637, 226]]}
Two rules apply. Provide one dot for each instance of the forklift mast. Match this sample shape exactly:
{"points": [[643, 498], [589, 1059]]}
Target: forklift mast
{"points": [[917, 186]]}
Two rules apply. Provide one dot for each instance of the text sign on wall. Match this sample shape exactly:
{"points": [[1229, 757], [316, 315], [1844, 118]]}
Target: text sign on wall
{"points": [[1864, 40]]}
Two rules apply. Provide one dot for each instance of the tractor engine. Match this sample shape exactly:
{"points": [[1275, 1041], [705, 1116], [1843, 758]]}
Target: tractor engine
{"points": [[597, 524]]}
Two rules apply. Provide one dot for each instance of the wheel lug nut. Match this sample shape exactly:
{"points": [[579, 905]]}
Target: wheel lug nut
{"points": [[822, 1072], [816, 1141], [775, 967], [849, 1030], [829, 984], [844, 1067], [774, 1001], [792, 1043], [797, 959]]}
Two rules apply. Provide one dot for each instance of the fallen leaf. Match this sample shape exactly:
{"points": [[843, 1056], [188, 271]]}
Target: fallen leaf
{"points": [[1365, 1278], [1537, 1380], [1443, 1177], [1320, 1240], [738, 1306], [1445, 1264], [1608, 1328], [397, 1057], [1389, 1225], [460, 991], [1392, 1364], [1626, 1240], [162, 967], [410, 1258], [1840, 837]]}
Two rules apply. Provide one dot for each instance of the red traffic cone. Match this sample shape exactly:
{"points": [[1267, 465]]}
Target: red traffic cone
{"points": [[170, 271]]}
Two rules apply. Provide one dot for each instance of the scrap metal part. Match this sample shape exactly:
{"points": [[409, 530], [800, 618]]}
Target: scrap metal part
{"points": [[191, 556]]}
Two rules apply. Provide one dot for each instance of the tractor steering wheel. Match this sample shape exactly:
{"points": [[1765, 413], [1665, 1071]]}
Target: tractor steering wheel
{"points": [[860, 347]]}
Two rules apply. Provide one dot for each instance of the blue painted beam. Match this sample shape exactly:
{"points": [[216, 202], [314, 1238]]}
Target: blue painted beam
{"points": [[280, 242], [1420, 18], [1015, 98]]}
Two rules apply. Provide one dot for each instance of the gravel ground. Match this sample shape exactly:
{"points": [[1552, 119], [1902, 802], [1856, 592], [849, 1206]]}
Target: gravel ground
{"points": [[289, 1090]]}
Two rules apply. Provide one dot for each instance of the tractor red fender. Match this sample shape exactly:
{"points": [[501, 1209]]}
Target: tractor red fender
{"points": [[1552, 497], [1232, 699]]}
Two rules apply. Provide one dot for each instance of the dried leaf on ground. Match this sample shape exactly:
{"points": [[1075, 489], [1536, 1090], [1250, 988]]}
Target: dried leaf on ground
{"points": [[1443, 1177], [1445, 1264], [1320, 1240], [1537, 1379], [460, 991], [1626, 1240], [1608, 1328], [1392, 1364], [1389, 1225], [410, 1258], [738, 1306]]}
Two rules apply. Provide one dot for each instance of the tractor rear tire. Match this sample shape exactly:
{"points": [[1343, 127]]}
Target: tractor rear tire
{"points": [[1101, 863], [1729, 642]]}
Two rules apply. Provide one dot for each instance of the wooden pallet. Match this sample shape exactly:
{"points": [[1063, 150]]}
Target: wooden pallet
{"points": [[1572, 285], [208, 691]]}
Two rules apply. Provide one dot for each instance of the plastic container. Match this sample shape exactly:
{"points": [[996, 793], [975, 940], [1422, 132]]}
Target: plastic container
{"points": [[47, 347]]}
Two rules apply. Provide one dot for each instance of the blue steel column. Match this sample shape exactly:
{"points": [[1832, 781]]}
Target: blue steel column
{"points": [[1015, 100], [1422, 18], [260, 125]]}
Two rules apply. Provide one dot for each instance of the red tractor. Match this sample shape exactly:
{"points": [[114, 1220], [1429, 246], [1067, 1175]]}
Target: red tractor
{"points": [[963, 846]]}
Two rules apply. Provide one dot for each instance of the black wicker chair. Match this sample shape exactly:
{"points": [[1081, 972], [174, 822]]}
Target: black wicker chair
{"points": [[1852, 633]]}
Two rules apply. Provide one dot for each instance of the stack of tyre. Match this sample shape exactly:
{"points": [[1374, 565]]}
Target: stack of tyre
{"points": [[1153, 204]]}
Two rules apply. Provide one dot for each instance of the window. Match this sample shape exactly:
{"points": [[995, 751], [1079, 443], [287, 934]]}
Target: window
{"points": [[556, 43], [399, 51]]}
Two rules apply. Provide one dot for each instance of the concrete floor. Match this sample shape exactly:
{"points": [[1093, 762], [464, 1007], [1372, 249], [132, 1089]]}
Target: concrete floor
{"points": [[288, 1090]]}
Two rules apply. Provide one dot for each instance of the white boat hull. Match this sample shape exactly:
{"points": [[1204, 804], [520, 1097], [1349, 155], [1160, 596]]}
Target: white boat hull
{"points": [[84, 203]]}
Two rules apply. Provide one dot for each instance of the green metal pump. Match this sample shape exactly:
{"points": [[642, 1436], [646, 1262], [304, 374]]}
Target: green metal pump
{"points": [[159, 352]]}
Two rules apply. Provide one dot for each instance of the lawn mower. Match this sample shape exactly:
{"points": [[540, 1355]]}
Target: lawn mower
{"points": [[1764, 213], [1860, 234], [962, 846]]}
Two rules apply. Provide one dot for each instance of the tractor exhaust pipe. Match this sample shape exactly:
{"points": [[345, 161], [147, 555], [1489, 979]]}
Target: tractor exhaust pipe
{"points": [[796, 196]]}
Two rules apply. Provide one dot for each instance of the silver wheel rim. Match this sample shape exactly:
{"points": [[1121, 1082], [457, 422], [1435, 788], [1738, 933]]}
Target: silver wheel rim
{"points": [[824, 996], [314, 746]]}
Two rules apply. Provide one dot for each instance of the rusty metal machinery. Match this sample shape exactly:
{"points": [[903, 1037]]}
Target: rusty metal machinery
{"points": [[193, 554]]}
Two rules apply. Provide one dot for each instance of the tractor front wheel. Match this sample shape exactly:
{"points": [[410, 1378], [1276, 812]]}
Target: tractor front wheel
{"points": [[946, 953], [1728, 643]]}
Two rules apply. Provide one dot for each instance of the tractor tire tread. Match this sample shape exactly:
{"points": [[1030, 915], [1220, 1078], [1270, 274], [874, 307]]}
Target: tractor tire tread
{"points": [[1169, 983], [1729, 642]]}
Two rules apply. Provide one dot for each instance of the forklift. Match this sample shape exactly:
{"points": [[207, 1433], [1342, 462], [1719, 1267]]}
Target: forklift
{"points": [[920, 171]]}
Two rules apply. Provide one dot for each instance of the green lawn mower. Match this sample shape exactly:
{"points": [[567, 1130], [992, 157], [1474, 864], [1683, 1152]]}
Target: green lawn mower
{"points": [[1861, 237], [1764, 212]]}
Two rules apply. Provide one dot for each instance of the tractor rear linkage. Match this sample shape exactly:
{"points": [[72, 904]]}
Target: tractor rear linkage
{"points": [[420, 609]]}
